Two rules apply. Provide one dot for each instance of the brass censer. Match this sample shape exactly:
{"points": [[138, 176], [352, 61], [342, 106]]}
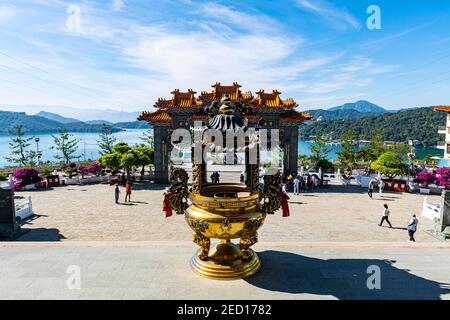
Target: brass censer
{"points": [[225, 211]]}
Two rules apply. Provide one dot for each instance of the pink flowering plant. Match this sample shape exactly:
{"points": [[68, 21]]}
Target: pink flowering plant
{"points": [[95, 168], [25, 176], [443, 177], [426, 177]]}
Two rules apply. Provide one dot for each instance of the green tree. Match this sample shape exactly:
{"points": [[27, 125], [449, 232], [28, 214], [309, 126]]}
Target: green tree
{"points": [[66, 145], [348, 154], [121, 148], [128, 161], [112, 160], [401, 148], [319, 150], [428, 160], [18, 145], [107, 140], [148, 138], [144, 157], [390, 163], [377, 144], [302, 159]]}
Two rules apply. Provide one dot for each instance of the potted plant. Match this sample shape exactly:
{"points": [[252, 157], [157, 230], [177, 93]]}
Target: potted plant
{"points": [[26, 178]]}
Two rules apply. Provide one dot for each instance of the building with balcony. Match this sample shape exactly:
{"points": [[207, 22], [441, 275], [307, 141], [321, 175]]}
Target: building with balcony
{"points": [[445, 130]]}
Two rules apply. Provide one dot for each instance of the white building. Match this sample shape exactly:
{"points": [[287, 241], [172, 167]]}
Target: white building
{"points": [[445, 130]]}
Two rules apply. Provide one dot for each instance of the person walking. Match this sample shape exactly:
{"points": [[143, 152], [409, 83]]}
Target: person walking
{"points": [[296, 185], [385, 216], [370, 189], [412, 228], [128, 188], [381, 185], [117, 193]]}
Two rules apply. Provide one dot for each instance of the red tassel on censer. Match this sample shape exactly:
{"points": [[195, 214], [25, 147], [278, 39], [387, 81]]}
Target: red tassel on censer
{"points": [[166, 206]]}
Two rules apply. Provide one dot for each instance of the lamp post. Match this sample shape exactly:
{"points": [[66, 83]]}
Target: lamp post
{"points": [[38, 153]]}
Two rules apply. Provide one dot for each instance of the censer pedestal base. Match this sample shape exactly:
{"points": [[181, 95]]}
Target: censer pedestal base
{"points": [[220, 269]]}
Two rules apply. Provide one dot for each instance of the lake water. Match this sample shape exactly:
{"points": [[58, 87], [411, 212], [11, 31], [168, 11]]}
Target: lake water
{"points": [[88, 146]]}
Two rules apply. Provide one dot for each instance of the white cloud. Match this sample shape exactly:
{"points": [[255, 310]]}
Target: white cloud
{"points": [[330, 12], [7, 12], [118, 5]]}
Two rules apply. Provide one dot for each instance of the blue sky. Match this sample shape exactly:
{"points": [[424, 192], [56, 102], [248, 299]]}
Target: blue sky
{"points": [[124, 54]]}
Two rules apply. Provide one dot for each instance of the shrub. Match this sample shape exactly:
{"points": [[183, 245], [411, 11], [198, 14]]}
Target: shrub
{"points": [[95, 168], [426, 177], [3, 177], [443, 176], [390, 164], [26, 176]]}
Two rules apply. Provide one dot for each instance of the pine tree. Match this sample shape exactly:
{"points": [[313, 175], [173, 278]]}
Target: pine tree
{"points": [[147, 138], [66, 145], [18, 145], [107, 140]]}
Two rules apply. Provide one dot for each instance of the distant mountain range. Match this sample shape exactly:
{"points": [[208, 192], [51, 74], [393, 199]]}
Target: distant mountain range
{"points": [[56, 117], [354, 110], [79, 114], [47, 122]]}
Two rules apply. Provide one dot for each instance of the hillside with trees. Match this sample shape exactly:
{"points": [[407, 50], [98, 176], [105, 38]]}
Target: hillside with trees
{"points": [[408, 124], [38, 124]]}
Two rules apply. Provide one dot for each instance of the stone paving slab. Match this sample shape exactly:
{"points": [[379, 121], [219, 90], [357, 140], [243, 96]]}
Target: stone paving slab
{"points": [[127, 271], [337, 213]]}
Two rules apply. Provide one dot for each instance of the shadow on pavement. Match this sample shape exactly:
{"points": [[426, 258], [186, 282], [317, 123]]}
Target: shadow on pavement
{"points": [[42, 234], [341, 278]]}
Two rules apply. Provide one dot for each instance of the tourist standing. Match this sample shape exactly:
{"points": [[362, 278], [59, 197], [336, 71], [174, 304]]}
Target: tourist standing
{"points": [[385, 216], [217, 177], [381, 185], [297, 185], [284, 199], [302, 184], [316, 183], [117, 193], [128, 191], [412, 228], [370, 189], [242, 178], [309, 183]]}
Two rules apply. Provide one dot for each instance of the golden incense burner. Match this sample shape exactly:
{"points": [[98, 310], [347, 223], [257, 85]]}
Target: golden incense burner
{"points": [[225, 211]]}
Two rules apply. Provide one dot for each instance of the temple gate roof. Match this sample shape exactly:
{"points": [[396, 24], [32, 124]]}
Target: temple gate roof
{"points": [[188, 100]]}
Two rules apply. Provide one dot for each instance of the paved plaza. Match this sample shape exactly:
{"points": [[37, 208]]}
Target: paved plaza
{"points": [[156, 271], [336, 213], [131, 251]]}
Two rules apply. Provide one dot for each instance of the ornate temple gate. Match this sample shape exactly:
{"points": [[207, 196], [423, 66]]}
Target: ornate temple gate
{"points": [[268, 111]]}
